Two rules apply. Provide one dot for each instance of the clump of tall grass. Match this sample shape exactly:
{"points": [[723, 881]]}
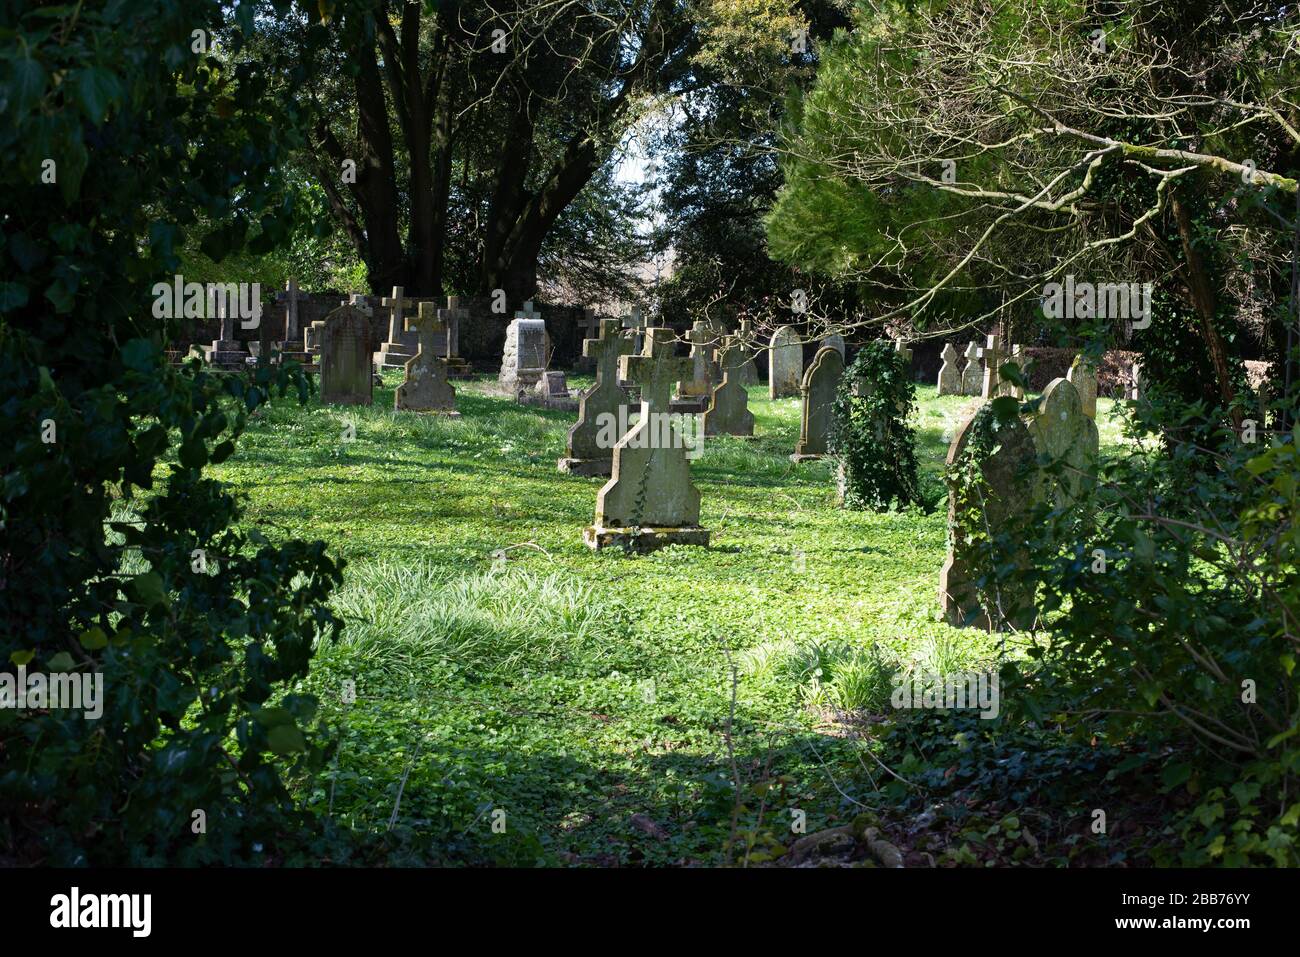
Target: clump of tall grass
{"points": [[410, 618]]}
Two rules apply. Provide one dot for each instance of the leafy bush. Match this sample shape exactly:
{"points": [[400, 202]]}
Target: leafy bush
{"points": [[874, 445], [118, 556], [1171, 595]]}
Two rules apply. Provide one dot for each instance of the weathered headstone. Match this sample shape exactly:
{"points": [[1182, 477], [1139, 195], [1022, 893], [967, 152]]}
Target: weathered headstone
{"points": [[972, 377], [1004, 486], [1012, 388], [524, 359], [291, 297], [834, 341], [312, 336], [602, 410], [1064, 434], [992, 355], [426, 388], [949, 374], [818, 388], [649, 500], [728, 412], [402, 343], [747, 372], [452, 315], [784, 363], [700, 384], [226, 351], [634, 322], [1083, 376], [345, 370]]}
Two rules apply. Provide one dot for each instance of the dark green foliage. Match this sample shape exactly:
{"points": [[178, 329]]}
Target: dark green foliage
{"points": [[1170, 595], [871, 438], [118, 555]]}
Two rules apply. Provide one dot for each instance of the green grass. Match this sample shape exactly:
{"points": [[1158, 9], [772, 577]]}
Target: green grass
{"points": [[502, 666]]}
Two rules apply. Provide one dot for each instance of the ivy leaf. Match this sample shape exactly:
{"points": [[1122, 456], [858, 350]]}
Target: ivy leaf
{"points": [[286, 739], [96, 89], [148, 589], [92, 639], [27, 85], [61, 662]]}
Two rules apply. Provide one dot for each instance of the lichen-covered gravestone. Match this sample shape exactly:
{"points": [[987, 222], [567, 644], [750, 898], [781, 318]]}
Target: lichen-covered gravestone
{"points": [[603, 410], [992, 355], [784, 363], [1001, 456], [818, 388], [649, 500], [1083, 376], [345, 373], [728, 412], [426, 388], [972, 377], [1064, 435], [524, 359], [949, 374]]}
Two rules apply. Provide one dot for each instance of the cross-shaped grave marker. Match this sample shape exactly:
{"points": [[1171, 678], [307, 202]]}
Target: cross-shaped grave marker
{"points": [[991, 353], [602, 410], [426, 388], [397, 302], [528, 312], [291, 297]]}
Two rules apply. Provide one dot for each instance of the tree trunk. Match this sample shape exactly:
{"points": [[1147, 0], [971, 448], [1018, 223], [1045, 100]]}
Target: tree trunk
{"points": [[1203, 300]]}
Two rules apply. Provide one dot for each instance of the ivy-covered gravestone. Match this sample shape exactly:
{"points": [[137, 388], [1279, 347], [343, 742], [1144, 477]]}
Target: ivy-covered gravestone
{"points": [[1066, 440], [871, 439], [992, 483]]}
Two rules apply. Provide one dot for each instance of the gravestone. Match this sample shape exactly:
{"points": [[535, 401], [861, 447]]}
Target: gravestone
{"points": [[728, 412], [693, 393], [1135, 382], [312, 336], [448, 343], [524, 359], [949, 374], [345, 370], [291, 297], [649, 500], [784, 363], [603, 410], [426, 388], [818, 389], [1005, 486], [1064, 434], [1083, 376], [226, 352], [402, 344], [747, 372], [834, 341], [972, 377], [992, 356], [634, 322], [1011, 388]]}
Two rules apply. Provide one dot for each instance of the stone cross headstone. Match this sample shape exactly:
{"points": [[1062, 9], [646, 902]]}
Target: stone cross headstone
{"points": [[834, 341], [291, 297], [426, 388], [972, 377], [524, 359], [650, 500], [728, 412], [747, 373], [991, 353], [700, 384], [784, 363], [949, 374], [901, 348], [345, 373], [226, 351], [1083, 376], [634, 322], [400, 346], [603, 412], [1063, 433], [818, 388], [1005, 485]]}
